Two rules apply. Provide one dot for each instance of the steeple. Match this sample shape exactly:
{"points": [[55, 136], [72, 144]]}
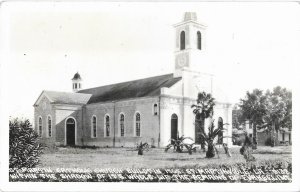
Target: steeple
{"points": [[76, 82], [190, 44]]}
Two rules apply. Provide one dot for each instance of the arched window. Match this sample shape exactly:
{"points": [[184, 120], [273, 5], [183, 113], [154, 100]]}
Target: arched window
{"points": [[199, 40], [155, 109], [122, 127], [137, 125], [174, 127], [107, 126], [94, 127], [182, 40], [49, 127]]}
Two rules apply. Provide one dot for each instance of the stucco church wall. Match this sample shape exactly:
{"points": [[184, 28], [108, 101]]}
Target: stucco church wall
{"points": [[175, 90], [168, 106], [149, 123], [44, 109]]}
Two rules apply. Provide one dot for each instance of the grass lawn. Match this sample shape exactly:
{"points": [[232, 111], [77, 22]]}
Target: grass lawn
{"points": [[154, 158]]}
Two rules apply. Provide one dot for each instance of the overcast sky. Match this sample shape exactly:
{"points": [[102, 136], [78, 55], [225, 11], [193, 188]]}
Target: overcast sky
{"points": [[250, 45]]}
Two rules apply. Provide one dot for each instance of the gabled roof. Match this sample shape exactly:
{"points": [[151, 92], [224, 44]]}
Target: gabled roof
{"points": [[131, 89], [56, 97]]}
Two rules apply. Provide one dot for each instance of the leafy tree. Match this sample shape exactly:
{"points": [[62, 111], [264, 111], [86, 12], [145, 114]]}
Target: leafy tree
{"points": [[24, 148], [254, 108], [284, 96], [279, 110], [272, 110], [204, 109]]}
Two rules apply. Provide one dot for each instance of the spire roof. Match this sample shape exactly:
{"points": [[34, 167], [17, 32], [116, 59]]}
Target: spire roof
{"points": [[76, 76]]}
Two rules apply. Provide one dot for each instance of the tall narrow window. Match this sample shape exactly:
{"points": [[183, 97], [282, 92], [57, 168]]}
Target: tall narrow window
{"points": [[40, 126], [182, 40], [49, 126], [138, 125], [155, 109], [94, 127], [107, 126], [122, 127], [199, 40]]}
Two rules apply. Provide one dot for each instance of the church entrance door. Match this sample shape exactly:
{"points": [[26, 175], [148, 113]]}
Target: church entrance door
{"points": [[174, 127], [199, 127], [70, 132]]}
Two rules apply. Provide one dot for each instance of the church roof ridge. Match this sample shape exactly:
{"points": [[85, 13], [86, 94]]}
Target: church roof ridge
{"points": [[169, 74], [149, 86], [65, 92]]}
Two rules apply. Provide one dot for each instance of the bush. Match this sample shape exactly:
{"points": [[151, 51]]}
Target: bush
{"points": [[24, 147], [238, 139], [269, 142]]}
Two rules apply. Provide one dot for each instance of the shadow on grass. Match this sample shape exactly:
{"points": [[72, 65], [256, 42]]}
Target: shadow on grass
{"points": [[272, 152]]}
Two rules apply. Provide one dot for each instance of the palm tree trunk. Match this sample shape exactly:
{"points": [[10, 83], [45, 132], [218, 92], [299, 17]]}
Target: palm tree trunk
{"points": [[202, 127], [210, 150], [254, 143]]}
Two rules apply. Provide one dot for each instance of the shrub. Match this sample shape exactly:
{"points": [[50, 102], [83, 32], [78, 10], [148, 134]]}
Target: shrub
{"points": [[268, 141], [24, 147]]}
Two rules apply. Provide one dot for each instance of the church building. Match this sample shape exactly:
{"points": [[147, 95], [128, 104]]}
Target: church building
{"points": [[152, 110]]}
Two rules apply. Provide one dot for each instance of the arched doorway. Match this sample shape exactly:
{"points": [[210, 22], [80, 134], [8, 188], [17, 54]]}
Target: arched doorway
{"points": [[199, 128], [174, 126], [220, 134], [70, 131]]}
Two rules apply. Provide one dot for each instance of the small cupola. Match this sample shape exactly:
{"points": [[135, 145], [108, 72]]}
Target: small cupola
{"points": [[190, 16], [76, 82]]}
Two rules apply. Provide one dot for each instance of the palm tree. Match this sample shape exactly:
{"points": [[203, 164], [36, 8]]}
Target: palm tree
{"points": [[210, 138], [203, 109], [205, 105]]}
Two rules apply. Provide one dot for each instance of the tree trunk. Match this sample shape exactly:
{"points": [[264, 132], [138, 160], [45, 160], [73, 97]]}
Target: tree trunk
{"points": [[254, 143], [273, 134], [202, 140], [210, 150]]}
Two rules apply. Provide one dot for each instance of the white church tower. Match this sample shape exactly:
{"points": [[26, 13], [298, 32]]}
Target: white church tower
{"points": [[76, 83], [190, 48], [191, 61]]}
